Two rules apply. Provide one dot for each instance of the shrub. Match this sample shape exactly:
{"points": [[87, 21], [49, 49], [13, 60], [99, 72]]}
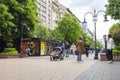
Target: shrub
{"points": [[10, 51], [116, 50]]}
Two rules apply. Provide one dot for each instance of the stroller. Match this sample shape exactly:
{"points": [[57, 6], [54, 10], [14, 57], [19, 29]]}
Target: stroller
{"points": [[56, 54]]}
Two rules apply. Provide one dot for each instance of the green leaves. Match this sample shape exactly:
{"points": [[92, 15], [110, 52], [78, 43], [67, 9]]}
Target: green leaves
{"points": [[5, 21], [70, 28], [113, 9], [115, 32]]}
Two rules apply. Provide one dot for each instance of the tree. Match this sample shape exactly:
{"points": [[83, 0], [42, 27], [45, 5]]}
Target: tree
{"points": [[5, 21], [114, 28], [113, 9], [40, 32], [56, 35], [25, 18], [88, 40], [70, 28], [115, 32]]}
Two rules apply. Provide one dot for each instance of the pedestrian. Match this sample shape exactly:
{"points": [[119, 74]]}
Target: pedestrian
{"points": [[79, 48], [67, 51], [62, 45], [73, 48], [110, 47], [86, 50], [28, 51]]}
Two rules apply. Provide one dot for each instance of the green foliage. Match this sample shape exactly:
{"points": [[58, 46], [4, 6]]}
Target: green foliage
{"points": [[115, 27], [70, 28], [10, 51], [40, 32], [115, 32], [116, 50], [25, 16], [56, 35], [113, 9], [88, 40], [5, 21]]}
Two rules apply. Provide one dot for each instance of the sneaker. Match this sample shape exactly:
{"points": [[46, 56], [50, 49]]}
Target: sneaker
{"points": [[110, 62]]}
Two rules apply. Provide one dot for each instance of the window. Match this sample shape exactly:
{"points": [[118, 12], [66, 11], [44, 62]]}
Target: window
{"points": [[44, 1]]}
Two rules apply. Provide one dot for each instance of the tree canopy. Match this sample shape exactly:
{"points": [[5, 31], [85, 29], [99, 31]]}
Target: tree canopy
{"points": [[70, 28], [19, 17], [25, 16], [113, 9], [5, 21], [115, 32]]}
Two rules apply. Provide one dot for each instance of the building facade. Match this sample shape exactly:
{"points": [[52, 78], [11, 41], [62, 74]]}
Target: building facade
{"points": [[50, 11], [44, 9]]}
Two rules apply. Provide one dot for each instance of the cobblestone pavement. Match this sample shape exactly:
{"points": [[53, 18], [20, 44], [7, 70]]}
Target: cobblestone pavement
{"points": [[41, 68], [101, 70]]}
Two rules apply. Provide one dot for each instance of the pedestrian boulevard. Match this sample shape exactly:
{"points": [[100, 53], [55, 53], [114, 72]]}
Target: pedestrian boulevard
{"points": [[101, 70], [41, 68]]}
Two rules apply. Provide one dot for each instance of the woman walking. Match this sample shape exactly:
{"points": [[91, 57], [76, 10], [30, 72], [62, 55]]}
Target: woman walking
{"points": [[79, 48]]}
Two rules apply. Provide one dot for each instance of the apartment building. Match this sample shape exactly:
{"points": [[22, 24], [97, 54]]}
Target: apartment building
{"points": [[44, 8], [50, 11]]}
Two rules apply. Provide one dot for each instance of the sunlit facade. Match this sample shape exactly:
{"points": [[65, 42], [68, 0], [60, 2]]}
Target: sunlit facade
{"points": [[50, 11]]}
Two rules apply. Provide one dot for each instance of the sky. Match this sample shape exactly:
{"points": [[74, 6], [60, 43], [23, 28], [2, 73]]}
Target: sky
{"points": [[80, 7]]}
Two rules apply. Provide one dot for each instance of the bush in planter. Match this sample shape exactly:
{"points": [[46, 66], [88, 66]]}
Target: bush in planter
{"points": [[10, 51], [116, 53]]}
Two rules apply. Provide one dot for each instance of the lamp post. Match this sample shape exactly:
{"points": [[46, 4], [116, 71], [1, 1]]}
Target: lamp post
{"points": [[94, 15]]}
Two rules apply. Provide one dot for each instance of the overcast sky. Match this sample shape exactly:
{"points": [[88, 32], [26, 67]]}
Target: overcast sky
{"points": [[80, 7]]}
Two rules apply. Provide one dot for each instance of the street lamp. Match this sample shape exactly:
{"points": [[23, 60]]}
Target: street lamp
{"points": [[94, 15]]}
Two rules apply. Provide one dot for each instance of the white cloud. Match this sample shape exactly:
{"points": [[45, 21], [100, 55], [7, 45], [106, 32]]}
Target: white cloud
{"points": [[80, 7]]}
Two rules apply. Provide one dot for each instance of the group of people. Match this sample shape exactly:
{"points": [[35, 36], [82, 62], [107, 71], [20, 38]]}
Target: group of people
{"points": [[80, 48]]}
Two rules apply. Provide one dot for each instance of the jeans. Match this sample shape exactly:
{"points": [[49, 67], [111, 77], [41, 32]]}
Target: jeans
{"points": [[79, 56], [109, 54]]}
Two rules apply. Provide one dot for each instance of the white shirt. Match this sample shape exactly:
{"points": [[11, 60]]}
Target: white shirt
{"points": [[73, 47], [110, 43]]}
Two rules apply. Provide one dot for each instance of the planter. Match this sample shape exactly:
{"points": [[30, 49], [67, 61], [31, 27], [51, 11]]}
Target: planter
{"points": [[8, 56], [103, 57], [116, 57]]}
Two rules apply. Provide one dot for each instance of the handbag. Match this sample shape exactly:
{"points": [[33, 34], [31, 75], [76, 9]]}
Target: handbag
{"points": [[76, 52]]}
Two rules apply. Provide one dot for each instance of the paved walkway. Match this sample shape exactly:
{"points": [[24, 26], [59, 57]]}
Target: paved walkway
{"points": [[41, 68], [101, 70]]}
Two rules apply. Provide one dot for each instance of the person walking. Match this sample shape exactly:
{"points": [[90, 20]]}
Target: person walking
{"points": [[110, 47], [67, 51], [73, 48], [86, 50], [79, 48], [62, 45]]}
